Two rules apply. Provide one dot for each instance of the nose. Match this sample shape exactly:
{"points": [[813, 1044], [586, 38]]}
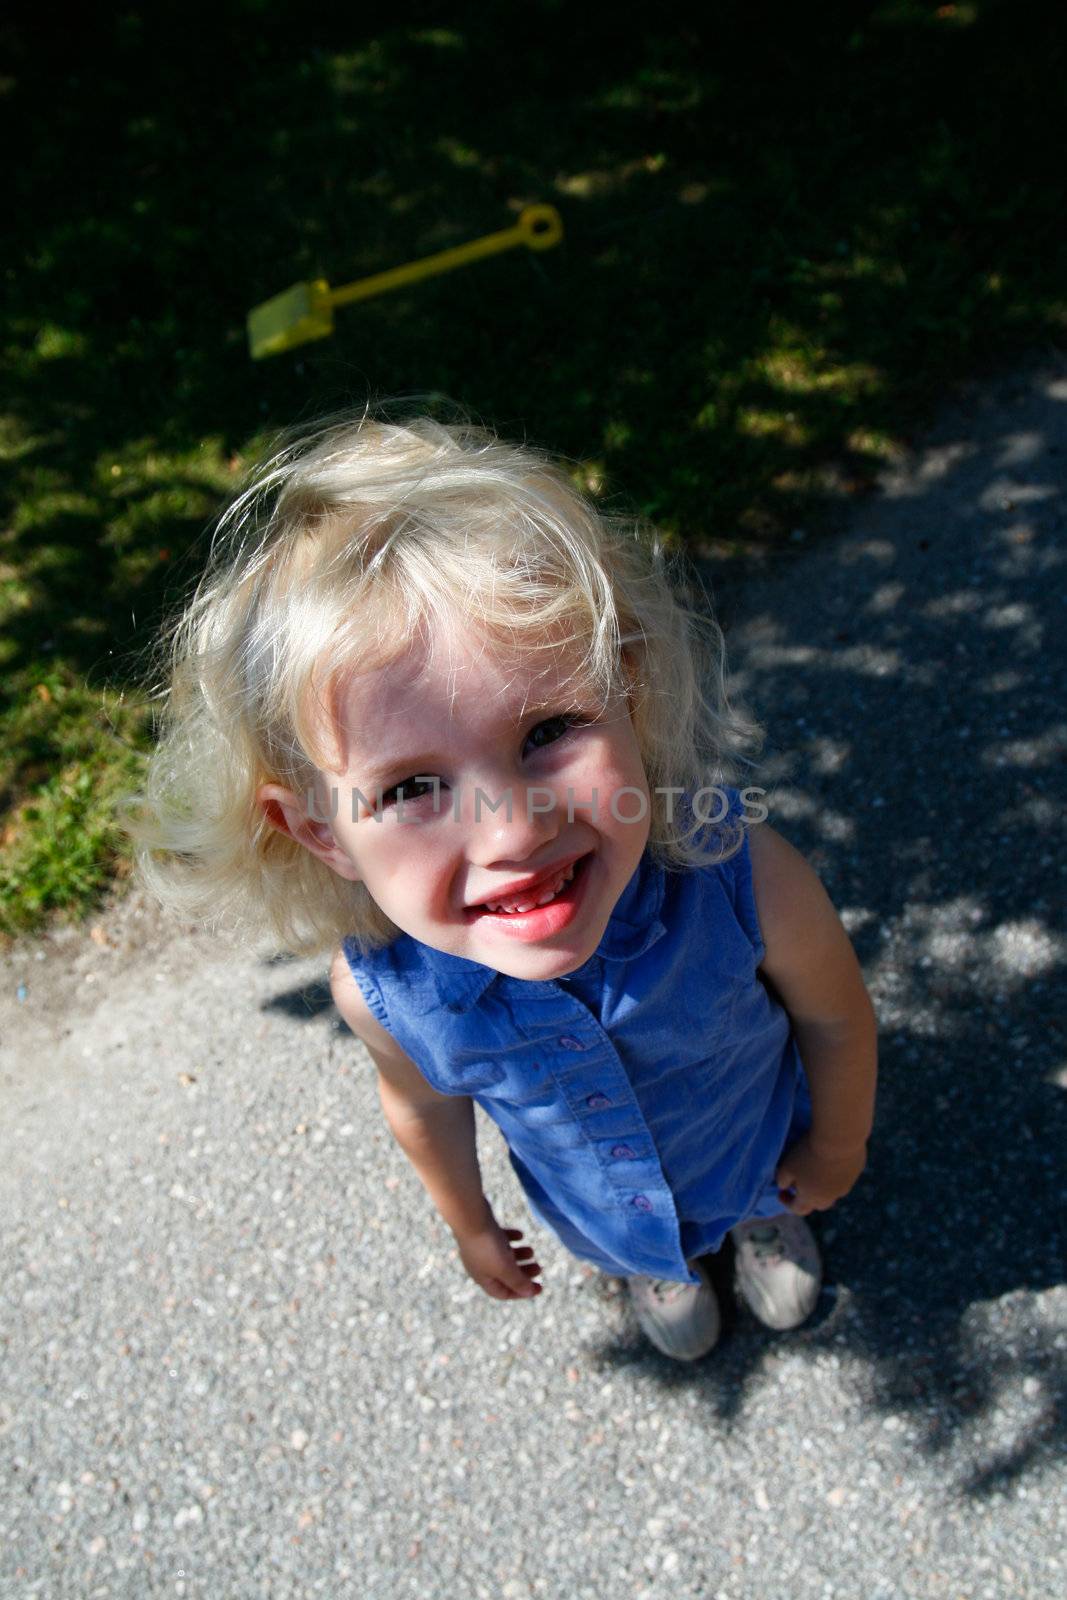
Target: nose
{"points": [[510, 826]]}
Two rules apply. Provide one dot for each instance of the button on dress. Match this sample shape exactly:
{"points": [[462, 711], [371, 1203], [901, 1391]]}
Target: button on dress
{"points": [[645, 1098]]}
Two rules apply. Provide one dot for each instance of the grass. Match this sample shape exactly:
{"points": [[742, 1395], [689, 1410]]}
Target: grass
{"points": [[787, 231]]}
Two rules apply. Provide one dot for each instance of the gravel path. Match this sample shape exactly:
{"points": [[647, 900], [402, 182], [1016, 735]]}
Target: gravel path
{"points": [[240, 1356]]}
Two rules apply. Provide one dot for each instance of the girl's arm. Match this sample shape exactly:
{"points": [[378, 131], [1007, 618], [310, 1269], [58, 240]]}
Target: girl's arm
{"points": [[811, 966], [436, 1132]]}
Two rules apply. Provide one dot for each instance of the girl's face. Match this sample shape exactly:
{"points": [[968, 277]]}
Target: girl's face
{"points": [[512, 816]]}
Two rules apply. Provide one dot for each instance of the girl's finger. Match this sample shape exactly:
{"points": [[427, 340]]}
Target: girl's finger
{"points": [[513, 1233]]}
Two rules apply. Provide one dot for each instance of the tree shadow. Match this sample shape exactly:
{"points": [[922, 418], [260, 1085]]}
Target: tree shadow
{"points": [[766, 272], [917, 739]]}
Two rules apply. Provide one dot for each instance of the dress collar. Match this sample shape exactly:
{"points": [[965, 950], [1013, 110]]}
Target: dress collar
{"points": [[633, 927]]}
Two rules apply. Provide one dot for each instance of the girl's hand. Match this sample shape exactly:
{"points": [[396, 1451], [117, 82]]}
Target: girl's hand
{"points": [[497, 1265], [814, 1179]]}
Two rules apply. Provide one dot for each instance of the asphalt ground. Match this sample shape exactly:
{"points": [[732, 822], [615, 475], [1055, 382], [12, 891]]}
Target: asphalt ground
{"points": [[240, 1357]]}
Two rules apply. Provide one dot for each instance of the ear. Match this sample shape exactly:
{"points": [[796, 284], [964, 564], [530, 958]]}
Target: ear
{"points": [[288, 813]]}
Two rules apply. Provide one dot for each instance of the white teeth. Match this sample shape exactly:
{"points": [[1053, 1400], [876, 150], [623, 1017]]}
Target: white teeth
{"points": [[516, 907]]}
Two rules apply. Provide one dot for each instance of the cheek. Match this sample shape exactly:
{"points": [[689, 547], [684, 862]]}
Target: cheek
{"points": [[405, 858], [620, 767], [625, 802]]}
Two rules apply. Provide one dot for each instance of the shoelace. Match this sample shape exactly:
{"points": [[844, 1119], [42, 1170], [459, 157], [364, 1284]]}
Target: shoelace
{"points": [[667, 1290], [765, 1242]]}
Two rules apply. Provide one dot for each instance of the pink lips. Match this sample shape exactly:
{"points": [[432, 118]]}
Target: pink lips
{"points": [[519, 889], [541, 922]]}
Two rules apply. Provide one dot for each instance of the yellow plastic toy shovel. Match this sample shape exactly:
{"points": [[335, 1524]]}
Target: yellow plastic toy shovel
{"points": [[306, 310]]}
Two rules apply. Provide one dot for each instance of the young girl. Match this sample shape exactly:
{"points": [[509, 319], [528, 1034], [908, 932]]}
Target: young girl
{"points": [[431, 709]]}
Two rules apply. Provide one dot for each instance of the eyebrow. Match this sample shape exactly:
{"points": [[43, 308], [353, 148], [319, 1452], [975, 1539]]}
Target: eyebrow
{"points": [[401, 765]]}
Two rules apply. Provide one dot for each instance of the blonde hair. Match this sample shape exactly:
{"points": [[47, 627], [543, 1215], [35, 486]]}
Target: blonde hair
{"points": [[345, 545]]}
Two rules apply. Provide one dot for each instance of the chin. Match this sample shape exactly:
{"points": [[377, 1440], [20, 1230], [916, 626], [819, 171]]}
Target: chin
{"points": [[541, 966]]}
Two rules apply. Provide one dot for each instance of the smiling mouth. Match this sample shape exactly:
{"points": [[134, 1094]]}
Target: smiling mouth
{"points": [[532, 899]]}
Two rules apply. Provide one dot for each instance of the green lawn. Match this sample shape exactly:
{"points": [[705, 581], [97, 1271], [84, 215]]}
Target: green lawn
{"points": [[787, 229]]}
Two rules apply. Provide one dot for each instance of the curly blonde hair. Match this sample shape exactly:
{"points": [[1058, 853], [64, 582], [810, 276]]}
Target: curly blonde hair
{"points": [[346, 544]]}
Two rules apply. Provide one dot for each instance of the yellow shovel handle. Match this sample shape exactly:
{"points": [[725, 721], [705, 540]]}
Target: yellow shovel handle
{"points": [[538, 227]]}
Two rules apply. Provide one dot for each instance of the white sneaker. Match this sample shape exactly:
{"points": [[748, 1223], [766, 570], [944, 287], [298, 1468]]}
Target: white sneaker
{"points": [[778, 1269], [680, 1319]]}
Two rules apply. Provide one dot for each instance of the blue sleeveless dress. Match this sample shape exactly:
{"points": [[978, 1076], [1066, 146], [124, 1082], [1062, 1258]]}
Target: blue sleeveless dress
{"points": [[647, 1097]]}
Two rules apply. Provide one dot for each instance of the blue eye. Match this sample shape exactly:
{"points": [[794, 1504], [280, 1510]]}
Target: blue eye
{"points": [[409, 789], [550, 731]]}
